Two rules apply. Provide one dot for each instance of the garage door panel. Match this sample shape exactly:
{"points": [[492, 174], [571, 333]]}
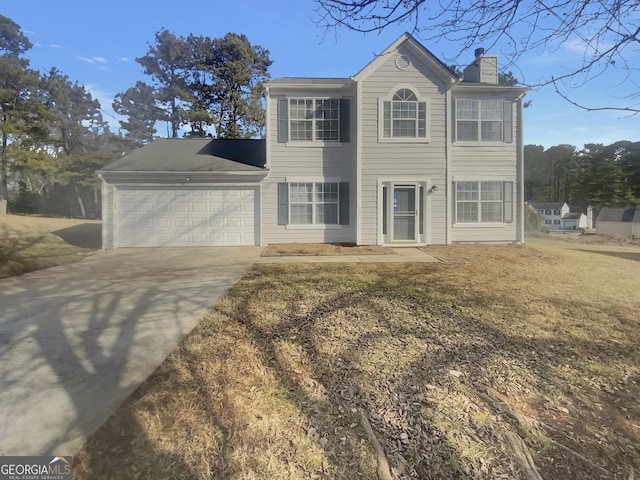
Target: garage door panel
{"points": [[163, 223], [234, 222], [180, 207], [157, 216]]}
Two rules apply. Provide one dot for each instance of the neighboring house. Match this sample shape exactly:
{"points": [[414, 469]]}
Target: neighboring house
{"points": [[557, 216], [402, 153], [619, 222]]}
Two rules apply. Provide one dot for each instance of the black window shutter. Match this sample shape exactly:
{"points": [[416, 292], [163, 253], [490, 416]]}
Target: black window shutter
{"points": [[345, 120], [283, 120], [344, 203], [283, 203], [507, 120], [508, 202]]}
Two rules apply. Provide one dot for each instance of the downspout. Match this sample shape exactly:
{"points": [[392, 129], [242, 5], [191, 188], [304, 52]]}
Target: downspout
{"points": [[267, 159], [521, 170], [448, 177]]}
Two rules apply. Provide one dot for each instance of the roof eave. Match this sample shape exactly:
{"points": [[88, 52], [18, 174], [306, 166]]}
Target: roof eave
{"points": [[302, 85], [485, 87], [239, 173]]}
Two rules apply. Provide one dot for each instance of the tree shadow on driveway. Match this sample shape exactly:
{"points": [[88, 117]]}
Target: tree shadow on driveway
{"points": [[75, 341]]}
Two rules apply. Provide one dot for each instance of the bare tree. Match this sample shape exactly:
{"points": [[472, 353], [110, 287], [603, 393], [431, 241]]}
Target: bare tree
{"points": [[606, 32]]}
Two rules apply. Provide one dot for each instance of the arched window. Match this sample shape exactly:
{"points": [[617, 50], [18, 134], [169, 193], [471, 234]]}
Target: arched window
{"points": [[404, 116]]}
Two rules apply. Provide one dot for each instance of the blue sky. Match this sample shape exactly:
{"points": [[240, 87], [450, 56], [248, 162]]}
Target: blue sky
{"points": [[96, 44]]}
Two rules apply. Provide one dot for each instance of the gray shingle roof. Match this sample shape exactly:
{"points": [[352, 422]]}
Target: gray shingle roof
{"points": [[194, 155], [547, 205], [608, 214], [309, 80], [572, 216]]}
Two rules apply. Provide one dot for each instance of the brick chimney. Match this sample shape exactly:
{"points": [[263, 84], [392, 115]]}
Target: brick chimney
{"points": [[484, 69]]}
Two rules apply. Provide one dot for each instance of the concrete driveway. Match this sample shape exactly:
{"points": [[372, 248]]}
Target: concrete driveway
{"points": [[76, 340]]}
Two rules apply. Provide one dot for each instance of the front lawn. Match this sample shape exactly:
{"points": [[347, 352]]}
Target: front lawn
{"points": [[22, 254], [447, 362]]}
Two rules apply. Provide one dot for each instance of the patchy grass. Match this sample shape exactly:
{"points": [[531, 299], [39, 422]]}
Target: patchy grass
{"points": [[21, 254], [284, 249], [271, 383]]}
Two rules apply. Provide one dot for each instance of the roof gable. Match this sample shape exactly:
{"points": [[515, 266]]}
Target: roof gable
{"points": [[423, 54]]}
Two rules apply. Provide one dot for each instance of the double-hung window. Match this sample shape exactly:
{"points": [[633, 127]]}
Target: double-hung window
{"points": [[483, 202], [404, 117], [313, 120], [483, 120], [313, 203]]}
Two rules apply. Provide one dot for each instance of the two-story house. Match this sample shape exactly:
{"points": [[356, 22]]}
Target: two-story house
{"points": [[558, 216], [402, 153]]}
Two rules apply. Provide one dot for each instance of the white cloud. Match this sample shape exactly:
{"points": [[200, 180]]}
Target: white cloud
{"points": [[92, 60], [55, 45], [123, 59]]}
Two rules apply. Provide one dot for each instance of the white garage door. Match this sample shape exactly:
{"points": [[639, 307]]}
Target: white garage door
{"points": [[150, 217]]}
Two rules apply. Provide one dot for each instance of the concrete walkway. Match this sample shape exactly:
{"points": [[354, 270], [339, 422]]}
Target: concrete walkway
{"points": [[402, 255], [78, 339]]}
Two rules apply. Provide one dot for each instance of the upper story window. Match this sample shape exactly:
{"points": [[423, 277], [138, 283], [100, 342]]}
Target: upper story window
{"points": [[483, 120], [404, 117], [556, 212], [547, 212], [313, 120]]}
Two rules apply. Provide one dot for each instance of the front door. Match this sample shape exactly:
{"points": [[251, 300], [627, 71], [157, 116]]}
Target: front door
{"points": [[405, 213]]}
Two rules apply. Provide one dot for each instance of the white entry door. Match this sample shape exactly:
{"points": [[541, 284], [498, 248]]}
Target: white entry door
{"points": [[403, 207], [405, 213], [173, 216]]}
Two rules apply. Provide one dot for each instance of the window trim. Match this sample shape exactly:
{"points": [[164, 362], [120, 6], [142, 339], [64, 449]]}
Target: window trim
{"points": [[343, 214], [419, 100], [479, 223], [314, 141], [314, 204], [506, 135]]}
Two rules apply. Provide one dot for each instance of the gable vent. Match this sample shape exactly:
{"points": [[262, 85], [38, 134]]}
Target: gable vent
{"points": [[403, 62]]}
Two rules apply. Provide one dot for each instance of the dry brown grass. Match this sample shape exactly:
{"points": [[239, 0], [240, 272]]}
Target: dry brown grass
{"points": [[270, 384], [23, 254]]}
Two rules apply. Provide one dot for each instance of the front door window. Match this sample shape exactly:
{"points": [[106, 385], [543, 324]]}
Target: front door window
{"points": [[404, 212]]}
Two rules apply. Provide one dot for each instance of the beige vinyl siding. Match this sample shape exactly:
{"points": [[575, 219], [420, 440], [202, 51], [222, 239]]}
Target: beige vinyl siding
{"points": [[385, 160], [108, 217], [306, 161], [488, 162]]}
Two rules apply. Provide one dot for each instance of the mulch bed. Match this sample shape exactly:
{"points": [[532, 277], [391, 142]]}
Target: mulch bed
{"points": [[328, 249]]}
